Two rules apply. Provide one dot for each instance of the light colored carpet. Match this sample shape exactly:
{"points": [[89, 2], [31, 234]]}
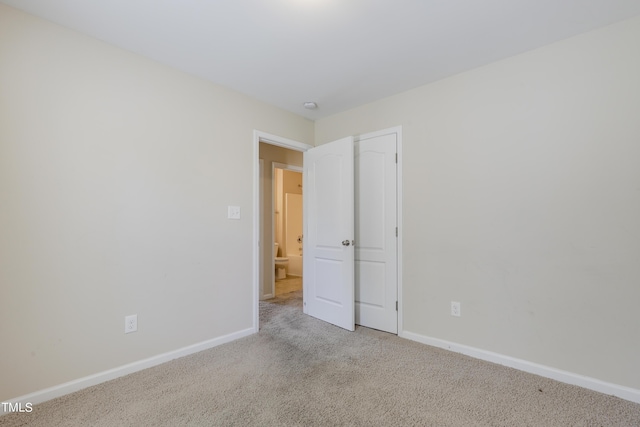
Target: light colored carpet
{"points": [[299, 371]]}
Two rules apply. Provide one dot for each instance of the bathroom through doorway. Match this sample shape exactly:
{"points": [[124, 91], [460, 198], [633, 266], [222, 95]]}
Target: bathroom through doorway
{"points": [[280, 191], [287, 228]]}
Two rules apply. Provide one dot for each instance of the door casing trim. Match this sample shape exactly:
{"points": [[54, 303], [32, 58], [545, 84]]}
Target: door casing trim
{"points": [[267, 138]]}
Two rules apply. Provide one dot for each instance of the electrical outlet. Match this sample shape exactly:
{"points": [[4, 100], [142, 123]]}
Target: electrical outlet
{"points": [[130, 323], [455, 308], [233, 212]]}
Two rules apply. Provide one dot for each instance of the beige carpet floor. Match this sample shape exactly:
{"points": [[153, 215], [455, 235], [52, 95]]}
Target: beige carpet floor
{"points": [[299, 371]]}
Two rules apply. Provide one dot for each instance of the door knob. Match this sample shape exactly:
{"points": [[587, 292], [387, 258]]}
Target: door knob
{"points": [[346, 243]]}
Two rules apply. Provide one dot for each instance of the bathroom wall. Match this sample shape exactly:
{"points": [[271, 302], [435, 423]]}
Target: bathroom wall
{"points": [[292, 184], [278, 214], [293, 232], [270, 154]]}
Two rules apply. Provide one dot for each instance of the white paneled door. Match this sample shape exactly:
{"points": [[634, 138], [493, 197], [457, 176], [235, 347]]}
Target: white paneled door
{"points": [[351, 241], [328, 249], [376, 266]]}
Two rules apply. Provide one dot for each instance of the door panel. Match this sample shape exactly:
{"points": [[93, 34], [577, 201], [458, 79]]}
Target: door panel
{"points": [[373, 274], [329, 207], [376, 241]]}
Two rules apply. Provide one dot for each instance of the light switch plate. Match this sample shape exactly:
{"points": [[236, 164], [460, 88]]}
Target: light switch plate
{"points": [[233, 212]]}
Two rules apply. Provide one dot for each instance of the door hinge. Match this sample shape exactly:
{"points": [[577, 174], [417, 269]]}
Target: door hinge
{"points": [[396, 305], [396, 157], [396, 231]]}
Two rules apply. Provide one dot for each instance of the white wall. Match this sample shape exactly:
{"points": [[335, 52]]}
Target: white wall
{"points": [[115, 176], [522, 201]]}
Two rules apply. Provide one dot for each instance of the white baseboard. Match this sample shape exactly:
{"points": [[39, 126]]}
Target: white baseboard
{"points": [[91, 380], [620, 391]]}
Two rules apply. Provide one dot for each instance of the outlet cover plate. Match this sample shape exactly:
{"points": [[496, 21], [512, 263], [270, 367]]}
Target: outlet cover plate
{"points": [[130, 323], [455, 308]]}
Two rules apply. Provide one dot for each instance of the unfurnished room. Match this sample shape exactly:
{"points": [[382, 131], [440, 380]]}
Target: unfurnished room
{"points": [[319, 212]]}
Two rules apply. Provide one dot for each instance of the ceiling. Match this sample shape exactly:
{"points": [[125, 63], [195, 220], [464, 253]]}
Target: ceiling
{"points": [[338, 53]]}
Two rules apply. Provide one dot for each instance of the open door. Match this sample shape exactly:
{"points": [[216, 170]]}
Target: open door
{"points": [[328, 242]]}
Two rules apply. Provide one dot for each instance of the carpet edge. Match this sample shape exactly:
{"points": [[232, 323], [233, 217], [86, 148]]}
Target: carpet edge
{"points": [[59, 390], [623, 392]]}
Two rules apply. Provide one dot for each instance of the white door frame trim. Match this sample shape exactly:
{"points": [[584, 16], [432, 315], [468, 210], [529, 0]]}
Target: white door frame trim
{"points": [[290, 144]]}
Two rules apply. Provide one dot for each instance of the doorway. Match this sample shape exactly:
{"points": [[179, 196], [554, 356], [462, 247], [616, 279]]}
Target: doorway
{"points": [[277, 163], [287, 152], [263, 249]]}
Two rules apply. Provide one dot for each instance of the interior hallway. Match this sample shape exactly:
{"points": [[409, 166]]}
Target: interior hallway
{"points": [[290, 284]]}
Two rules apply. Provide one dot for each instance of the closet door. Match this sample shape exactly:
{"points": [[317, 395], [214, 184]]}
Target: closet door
{"points": [[376, 262]]}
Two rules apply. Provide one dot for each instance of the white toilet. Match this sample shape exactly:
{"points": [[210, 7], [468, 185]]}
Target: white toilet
{"points": [[281, 263]]}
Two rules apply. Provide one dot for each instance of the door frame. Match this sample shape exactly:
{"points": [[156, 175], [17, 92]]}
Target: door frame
{"points": [[258, 246], [290, 144]]}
